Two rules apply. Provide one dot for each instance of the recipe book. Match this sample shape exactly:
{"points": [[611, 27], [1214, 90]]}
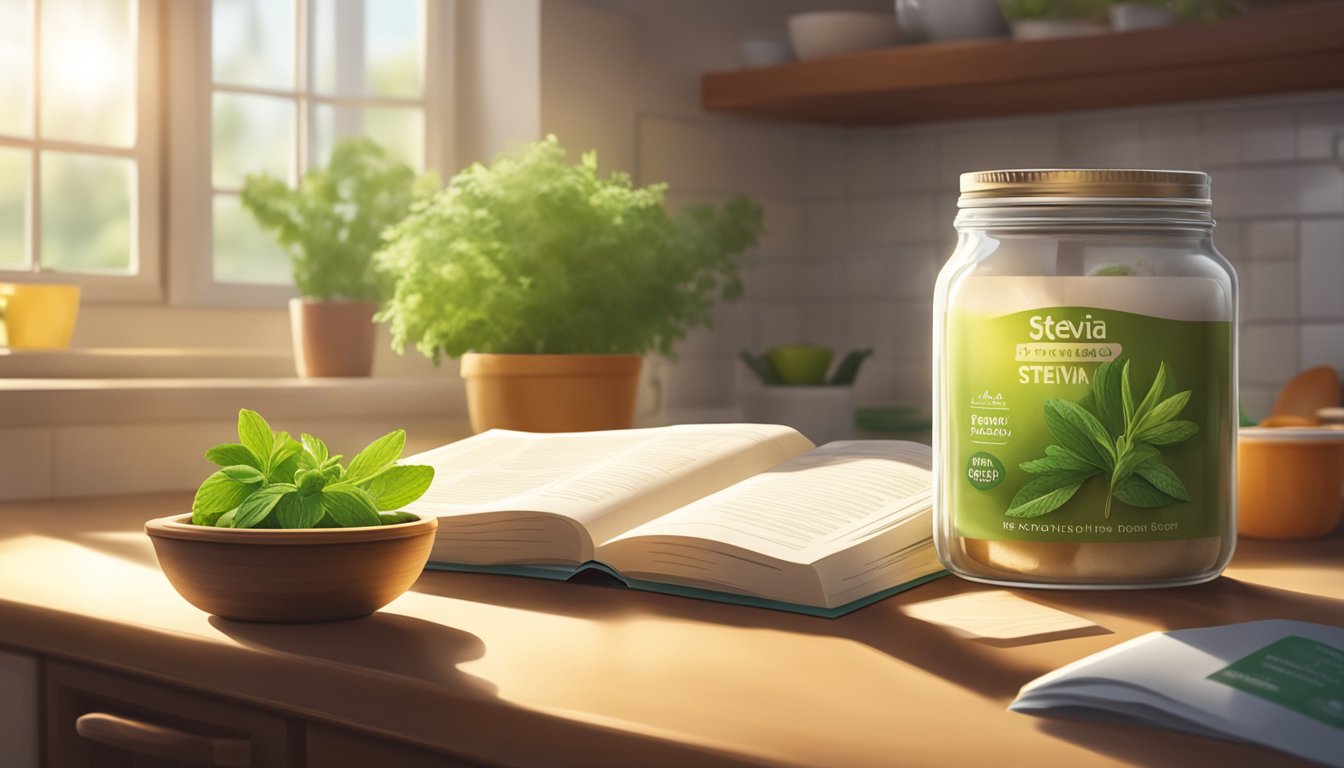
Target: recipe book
{"points": [[1276, 683], [745, 513]]}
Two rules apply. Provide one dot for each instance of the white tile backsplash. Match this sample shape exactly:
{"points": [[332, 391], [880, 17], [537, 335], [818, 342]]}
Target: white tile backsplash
{"points": [[874, 210]]}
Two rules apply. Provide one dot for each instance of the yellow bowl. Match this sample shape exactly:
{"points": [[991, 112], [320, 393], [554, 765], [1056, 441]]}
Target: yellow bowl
{"points": [[38, 315], [1289, 482]]}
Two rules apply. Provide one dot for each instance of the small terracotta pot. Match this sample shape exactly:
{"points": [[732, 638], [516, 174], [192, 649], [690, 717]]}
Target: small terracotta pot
{"points": [[277, 575], [332, 338], [1290, 482], [551, 393]]}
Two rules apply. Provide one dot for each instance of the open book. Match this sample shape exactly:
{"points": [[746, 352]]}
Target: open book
{"points": [[738, 512], [1276, 683]]}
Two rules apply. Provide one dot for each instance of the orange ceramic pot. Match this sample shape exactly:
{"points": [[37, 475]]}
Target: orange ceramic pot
{"points": [[332, 338], [1290, 482], [551, 393]]}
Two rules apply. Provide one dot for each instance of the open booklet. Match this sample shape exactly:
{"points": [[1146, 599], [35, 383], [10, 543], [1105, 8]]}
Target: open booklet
{"points": [[1276, 683], [748, 513]]}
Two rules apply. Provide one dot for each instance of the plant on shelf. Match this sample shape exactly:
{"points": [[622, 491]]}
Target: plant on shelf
{"points": [[1046, 19], [537, 267], [270, 480], [331, 226]]}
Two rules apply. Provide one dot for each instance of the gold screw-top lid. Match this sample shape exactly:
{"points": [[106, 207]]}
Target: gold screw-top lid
{"points": [[1062, 185]]}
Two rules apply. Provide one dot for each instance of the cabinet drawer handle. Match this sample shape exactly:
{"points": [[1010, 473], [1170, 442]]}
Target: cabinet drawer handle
{"points": [[153, 740]]}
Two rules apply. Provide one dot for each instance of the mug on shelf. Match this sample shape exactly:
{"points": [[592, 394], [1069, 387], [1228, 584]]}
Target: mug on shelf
{"points": [[38, 315]]}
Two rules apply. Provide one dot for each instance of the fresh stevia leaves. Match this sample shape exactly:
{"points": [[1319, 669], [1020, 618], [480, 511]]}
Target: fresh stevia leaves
{"points": [[256, 434], [223, 521], [244, 474], [1110, 403], [315, 452], [392, 518], [218, 494], [1163, 479], [1138, 492], [1048, 492], [377, 457], [349, 506], [257, 506], [1080, 432], [231, 455], [1171, 433], [398, 486], [295, 510]]}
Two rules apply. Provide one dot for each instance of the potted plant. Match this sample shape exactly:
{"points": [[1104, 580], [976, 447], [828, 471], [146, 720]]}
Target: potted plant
{"points": [[1048, 19], [1133, 15], [794, 389], [550, 281], [285, 532], [331, 225]]}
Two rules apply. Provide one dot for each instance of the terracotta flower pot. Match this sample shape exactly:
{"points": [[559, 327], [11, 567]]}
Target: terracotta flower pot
{"points": [[332, 338], [551, 393], [299, 575]]}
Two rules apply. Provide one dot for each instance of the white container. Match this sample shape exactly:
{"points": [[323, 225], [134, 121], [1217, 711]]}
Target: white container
{"points": [[822, 413], [1131, 17], [828, 33], [1053, 29], [760, 52], [951, 19]]}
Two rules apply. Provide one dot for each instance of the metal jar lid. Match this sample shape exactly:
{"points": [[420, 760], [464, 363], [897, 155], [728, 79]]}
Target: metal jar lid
{"points": [[1071, 186]]}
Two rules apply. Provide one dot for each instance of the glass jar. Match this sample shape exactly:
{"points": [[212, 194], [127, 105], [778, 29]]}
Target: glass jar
{"points": [[1085, 382]]}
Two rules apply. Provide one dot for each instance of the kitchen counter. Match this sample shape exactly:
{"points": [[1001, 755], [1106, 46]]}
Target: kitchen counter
{"points": [[506, 670]]}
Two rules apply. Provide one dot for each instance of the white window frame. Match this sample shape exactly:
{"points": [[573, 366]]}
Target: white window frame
{"points": [[190, 86], [144, 284]]}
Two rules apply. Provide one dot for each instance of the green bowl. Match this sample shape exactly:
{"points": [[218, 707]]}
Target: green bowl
{"points": [[801, 363]]}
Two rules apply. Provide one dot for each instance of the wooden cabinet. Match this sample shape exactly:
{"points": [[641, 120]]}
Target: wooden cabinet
{"points": [[18, 709], [99, 719]]}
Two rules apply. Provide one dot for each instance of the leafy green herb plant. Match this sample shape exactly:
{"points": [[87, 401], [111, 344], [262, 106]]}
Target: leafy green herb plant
{"points": [[270, 480], [1120, 442], [333, 223], [534, 254], [1028, 10]]}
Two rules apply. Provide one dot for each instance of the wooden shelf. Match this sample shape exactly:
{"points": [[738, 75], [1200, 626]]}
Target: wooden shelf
{"points": [[1293, 48]]}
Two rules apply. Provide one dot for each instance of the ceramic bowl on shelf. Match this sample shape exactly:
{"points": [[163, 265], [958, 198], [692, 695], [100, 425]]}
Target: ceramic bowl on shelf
{"points": [[1132, 17], [291, 575], [1290, 482], [828, 33], [938, 20]]}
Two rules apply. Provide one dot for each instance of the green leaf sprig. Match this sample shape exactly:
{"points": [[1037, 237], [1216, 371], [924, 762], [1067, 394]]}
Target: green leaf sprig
{"points": [[1121, 441], [270, 480]]}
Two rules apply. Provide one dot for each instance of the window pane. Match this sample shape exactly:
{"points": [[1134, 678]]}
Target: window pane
{"points": [[16, 67], [362, 48], [243, 252], [400, 131], [252, 134], [88, 71], [252, 42], [15, 165], [86, 212]]}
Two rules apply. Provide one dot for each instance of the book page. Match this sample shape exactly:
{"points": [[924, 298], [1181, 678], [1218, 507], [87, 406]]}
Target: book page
{"points": [[817, 504], [608, 481]]}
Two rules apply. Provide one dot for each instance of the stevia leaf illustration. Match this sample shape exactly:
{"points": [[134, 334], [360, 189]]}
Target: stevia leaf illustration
{"points": [[1080, 432], [1106, 394], [1163, 479], [1136, 491], [1171, 433], [1126, 396], [1058, 459], [1164, 412], [1048, 492], [1150, 400], [1131, 457]]}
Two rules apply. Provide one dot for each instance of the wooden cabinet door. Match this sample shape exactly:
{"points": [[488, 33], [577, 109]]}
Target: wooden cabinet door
{"points": [[18, 709], [97, 719]]}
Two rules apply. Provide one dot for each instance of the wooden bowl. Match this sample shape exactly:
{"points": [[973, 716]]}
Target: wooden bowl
{"points": [[321, 574]]}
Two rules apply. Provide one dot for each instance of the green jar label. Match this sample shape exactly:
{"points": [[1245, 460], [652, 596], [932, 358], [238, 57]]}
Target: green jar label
{"points": [[1085, 424]]}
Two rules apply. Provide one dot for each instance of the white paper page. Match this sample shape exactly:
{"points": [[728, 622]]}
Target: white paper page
{"points": [[592, 477], [1172, 670], [816, 504]]}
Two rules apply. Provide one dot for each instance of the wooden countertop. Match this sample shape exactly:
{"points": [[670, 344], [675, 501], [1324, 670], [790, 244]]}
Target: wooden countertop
{"points": [[517, 671]]}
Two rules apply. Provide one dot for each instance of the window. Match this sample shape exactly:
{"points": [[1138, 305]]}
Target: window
{"points": [[79, 145], [270, 86]]}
